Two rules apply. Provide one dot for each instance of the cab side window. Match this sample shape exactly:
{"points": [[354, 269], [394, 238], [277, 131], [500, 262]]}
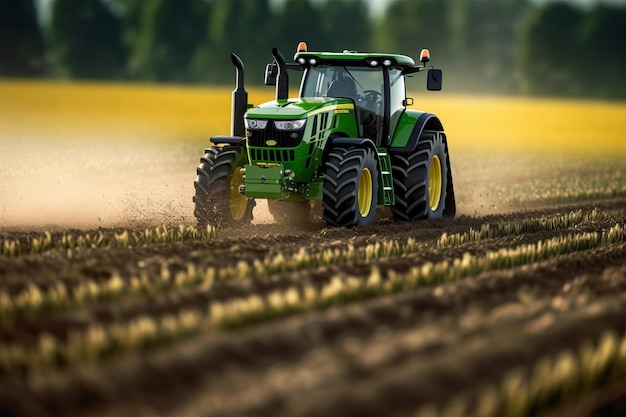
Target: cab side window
{"points": [[396, 99]]}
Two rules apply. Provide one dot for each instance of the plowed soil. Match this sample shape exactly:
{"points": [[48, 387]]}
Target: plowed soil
{"points": [[383, 355]]}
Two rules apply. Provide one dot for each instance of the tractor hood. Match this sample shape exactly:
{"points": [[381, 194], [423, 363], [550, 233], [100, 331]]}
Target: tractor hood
{"points": [[295, 108]]}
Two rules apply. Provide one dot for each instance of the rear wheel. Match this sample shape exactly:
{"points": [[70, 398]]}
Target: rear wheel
{"points": [[350, 187], [421, 180], [218, 201]]}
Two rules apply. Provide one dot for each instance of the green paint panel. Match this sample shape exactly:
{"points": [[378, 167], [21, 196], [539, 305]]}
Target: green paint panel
{"points": [[314, 190], [405, 128], [265, 182], [297, 108], [324, 116], [355, 58]]}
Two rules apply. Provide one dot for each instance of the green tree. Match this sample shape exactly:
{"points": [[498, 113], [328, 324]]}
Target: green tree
{"points": [[239, 26], [298, 20], [602, 56], [483, 43], [86, 39], [21, 41], [169, 32], [408, 26], [130, 12], [345, 25], [549, 48]]}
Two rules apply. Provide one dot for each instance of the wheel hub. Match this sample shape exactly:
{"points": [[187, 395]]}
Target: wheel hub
{"points": [[238, 202], [435, 182], [365, 192]]}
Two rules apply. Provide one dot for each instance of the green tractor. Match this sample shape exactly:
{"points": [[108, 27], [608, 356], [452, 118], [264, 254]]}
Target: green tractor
{"points": [[348, 141]]}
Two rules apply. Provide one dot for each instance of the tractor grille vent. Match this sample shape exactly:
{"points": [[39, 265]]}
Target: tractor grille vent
{"points": [[284, 138], [272, 155]]}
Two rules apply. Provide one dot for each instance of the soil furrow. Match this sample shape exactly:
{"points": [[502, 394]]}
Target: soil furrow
{"points": [[289, 340], [171, 302]]}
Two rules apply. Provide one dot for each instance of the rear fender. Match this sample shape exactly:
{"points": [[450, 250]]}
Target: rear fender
{"points": [[424, 121]]}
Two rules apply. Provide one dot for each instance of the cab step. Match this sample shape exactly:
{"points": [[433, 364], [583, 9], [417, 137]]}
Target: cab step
{"points": [[385, 194]]}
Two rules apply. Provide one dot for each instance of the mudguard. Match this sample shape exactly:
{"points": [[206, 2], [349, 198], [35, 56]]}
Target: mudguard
{"points": [[410, 128], [229, 140], [357, 142]]}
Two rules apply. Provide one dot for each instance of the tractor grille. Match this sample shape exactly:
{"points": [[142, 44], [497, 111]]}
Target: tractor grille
{"points": [[272, 155], [284, 138]]}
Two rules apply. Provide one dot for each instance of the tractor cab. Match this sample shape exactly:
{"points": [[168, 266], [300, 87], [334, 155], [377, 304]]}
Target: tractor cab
{"points": [[362, 86], [374, 83]]}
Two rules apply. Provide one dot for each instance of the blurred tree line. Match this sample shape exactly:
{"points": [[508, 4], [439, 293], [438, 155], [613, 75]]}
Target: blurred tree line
{"points": [[506, 46]]}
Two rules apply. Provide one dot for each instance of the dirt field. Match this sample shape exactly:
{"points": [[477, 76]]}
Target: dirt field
{"points": [[112, 304]]}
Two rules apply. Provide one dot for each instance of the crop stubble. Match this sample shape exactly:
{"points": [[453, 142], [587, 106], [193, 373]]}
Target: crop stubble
{"points": [[380, 351]]}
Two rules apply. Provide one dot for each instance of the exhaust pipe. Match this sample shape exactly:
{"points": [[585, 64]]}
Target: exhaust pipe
{"points": [[239, 100], [282, 81]]}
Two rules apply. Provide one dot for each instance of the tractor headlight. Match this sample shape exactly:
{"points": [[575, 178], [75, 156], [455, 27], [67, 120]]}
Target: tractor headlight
{"points": [[290, 124], [255, 124]]}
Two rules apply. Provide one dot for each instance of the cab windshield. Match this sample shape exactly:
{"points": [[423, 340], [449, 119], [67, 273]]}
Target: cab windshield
{"points": [[363, 85], [342, 81]]}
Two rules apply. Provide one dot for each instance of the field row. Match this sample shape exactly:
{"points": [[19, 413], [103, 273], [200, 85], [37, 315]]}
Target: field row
{"points": [[462, 318], [59, 295], [14, 247], [142, 331], [255, 304], [348, 341]]}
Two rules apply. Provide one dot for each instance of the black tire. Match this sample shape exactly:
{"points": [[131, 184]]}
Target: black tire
{"points": [[217, 198], [422, 181], [350, 187], [290, 212]]}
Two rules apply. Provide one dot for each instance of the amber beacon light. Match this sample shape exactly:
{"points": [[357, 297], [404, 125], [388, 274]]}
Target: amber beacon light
{"points": [[424, 56]]}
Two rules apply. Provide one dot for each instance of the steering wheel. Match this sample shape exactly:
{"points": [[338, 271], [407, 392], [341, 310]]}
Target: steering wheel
{"points": [[366, 92], [371, 98]]}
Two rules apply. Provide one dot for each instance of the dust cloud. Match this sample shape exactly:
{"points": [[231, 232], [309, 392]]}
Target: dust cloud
{"points": [[90, 184], [98, 182], [104, 183]]}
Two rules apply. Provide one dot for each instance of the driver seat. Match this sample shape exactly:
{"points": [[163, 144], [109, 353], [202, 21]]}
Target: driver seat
{"points": [[343, 87]]}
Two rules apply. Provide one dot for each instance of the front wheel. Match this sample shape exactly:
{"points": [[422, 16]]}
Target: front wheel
{"points": [[350, 187], [217, 198]]}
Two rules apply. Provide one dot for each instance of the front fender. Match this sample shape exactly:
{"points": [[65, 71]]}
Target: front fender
{"points": [[228, 140], [343, 142]]}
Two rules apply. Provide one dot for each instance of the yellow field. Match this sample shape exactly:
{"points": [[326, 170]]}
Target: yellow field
{"points": [[88, 155], [56, 110]]}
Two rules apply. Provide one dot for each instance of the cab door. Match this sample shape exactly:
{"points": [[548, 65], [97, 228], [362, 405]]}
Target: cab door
{"points": [[397, 95]]}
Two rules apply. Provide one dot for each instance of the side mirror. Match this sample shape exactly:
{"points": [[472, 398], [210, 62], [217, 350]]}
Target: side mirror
{"points": [[271, 72], [435, 79]]}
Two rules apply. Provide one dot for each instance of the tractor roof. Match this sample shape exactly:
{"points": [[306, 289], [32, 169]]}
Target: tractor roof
{"points": [[352, 58]]}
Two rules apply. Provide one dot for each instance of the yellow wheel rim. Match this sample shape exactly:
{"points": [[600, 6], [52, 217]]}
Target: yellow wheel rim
{"points": [[365, 192], [434, 183], [238, 201]]}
